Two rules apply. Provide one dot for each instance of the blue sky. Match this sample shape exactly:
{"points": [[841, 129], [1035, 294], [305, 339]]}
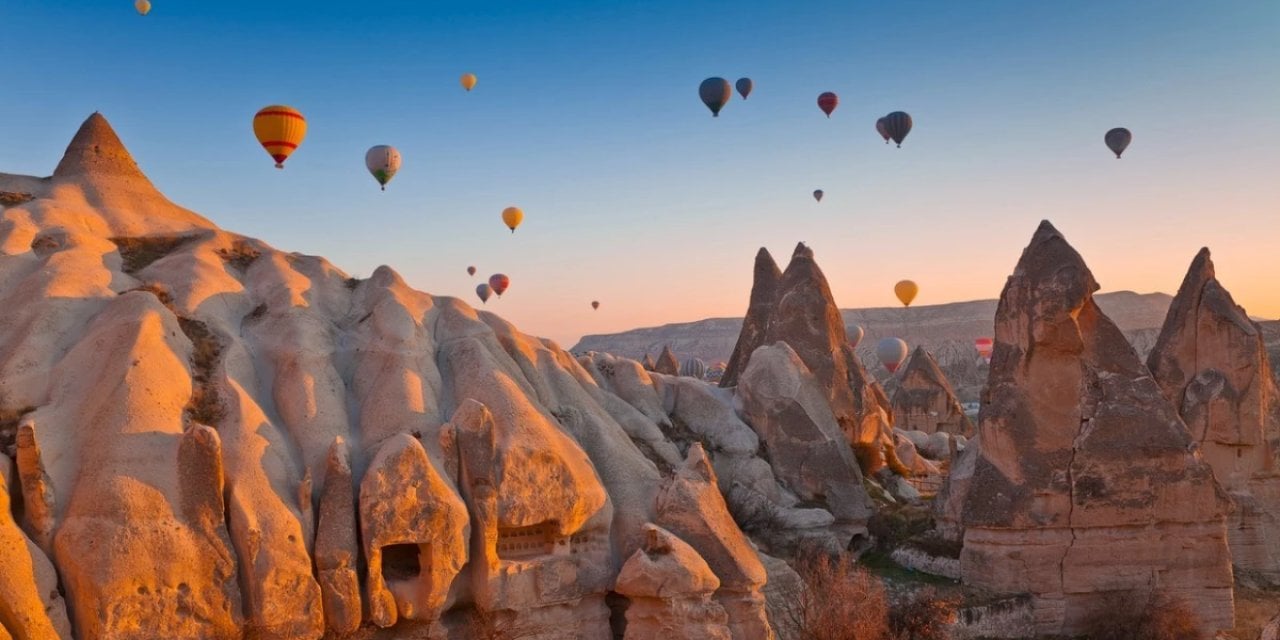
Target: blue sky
{"points": [[586, 115]]}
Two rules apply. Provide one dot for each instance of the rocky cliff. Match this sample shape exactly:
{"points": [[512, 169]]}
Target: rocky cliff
{"points": [[1084, 482], [1212, 364], [206, 437], [946, 330]]}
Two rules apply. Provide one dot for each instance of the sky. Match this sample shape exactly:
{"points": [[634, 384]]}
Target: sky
{"points": [[586, 115]]}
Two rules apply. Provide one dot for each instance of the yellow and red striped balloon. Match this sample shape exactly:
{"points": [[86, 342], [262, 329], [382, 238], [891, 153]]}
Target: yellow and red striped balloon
{"points": [[279, 129]]}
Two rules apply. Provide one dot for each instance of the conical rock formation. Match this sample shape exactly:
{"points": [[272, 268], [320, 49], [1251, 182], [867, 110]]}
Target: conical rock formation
{"points": [[1212, 364], [1086, 482], [797, 308], [667, 363], [196, 411], [924, 400]]}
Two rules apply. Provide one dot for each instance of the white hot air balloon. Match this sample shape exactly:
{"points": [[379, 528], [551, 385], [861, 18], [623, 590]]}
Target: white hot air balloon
{"points": [[383, 161]]}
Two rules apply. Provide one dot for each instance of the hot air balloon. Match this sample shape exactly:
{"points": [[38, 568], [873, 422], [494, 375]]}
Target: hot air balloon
{"points": [[383, 161], [595, 304], [512, 216], [471, 271], [891, 351], [985, 347], [468, 81], [827, 102], [855, 336], [693, 368], [143, 7], [484, 291], [897, 125], [499, 283], [883, 130], [906, 291], [280, 130], [715, 93], [744, 85], [1118, 140], [817, 195]]}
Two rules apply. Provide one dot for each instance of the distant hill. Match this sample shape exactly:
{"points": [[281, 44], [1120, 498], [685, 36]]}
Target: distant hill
{"points": [[946, 330]]}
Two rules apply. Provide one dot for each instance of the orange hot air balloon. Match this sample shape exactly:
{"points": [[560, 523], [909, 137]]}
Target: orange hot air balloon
{"points": [[906, 291], [499, 283], [468, 81], [279, 129], [985, 347]]}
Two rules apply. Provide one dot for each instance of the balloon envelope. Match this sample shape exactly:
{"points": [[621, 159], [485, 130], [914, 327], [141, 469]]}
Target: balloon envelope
{"points": [[468, 81], [484, 291], [827, 102], [471, 271], [512, 217], [883, 130], [279, 129], [143, 7], [595, 304], [985, 346], [1118, 140], [898, 125], [382, 161], [817, 195], [693, 368], [744, 85], [891, 351], [855, 335], [715, 93], [499, 282], [906, 291]]}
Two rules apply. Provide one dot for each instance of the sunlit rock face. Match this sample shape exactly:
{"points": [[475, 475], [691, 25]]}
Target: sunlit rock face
{"points": [[1212, 364], [210, 438], [924, 400], [796, 307], [1084, 481]]}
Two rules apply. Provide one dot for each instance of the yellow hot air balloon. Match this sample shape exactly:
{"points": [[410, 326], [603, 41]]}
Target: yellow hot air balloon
{"points": [[906, 291], [280, 130], [512, 216], [468, 81], [143, 6]]}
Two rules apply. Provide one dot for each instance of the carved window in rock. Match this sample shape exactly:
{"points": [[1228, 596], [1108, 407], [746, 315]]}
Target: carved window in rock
{"points": [[519, 543], [401, 562]]}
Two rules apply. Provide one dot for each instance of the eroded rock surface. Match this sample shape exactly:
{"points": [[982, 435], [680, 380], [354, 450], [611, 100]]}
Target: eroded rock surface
{"points": [[1212, 364], [1085, 481], [924, 400], [671, 588]]}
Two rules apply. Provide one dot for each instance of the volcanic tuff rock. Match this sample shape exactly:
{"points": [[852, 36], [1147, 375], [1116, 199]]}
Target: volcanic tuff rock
{"points": [[670, 587], [924, 400], [760, 308], [798, 309], [1212, 364], [946, 331], [194, 413], [1085, 482], [667, 363]]}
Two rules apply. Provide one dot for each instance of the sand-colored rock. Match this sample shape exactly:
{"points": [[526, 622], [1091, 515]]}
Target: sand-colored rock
{"points": [[1212, 364], [797, 308], [648, 363], [337, 548], [924, 400], [760, 308], [692, 508], [670, 588], [414, 529], [785, 405], [667, 363], [30, 605], [1086, 481]]}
